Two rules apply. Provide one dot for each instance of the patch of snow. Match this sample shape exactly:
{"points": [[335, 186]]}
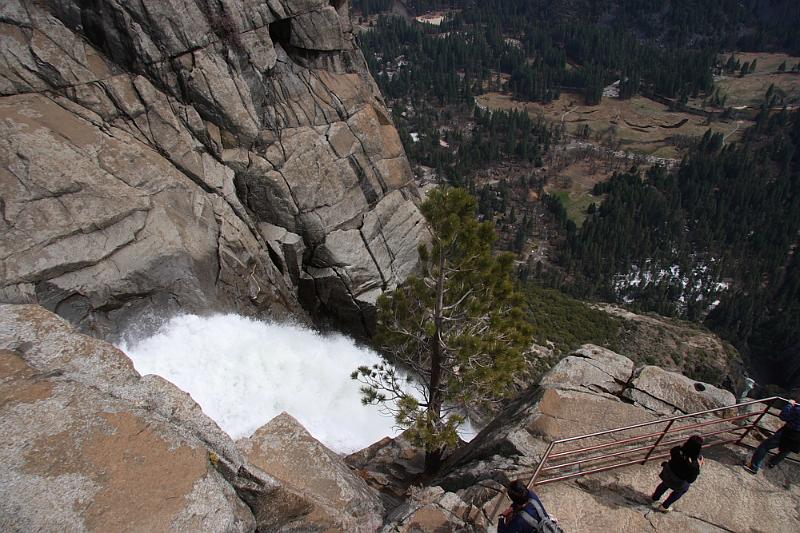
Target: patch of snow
{"points": [[434, 20], [697, 284], [612, 91]]}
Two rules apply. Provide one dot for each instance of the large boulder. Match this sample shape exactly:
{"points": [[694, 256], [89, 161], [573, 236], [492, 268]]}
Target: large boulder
{"points": [[669, 393], [76, 459], [144, 145], [591, 367], [340, 499], [594, 369], [87, 444], [432, 509]]}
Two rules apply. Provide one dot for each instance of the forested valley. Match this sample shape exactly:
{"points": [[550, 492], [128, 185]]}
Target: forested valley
{"points": [[710, 237], [728, 213]]}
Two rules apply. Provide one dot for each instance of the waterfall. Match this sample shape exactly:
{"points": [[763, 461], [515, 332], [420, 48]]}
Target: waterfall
{"points": [[244, 372]]}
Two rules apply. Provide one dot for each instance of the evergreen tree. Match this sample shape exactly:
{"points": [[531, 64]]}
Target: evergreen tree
{"points": [[459, 329]]}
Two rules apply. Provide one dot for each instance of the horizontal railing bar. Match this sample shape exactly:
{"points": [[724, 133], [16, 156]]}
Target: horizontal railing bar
{"points": [[599, 457], [598, 469], [679, 417], [710, 423], [620, 442], [647, 436]]}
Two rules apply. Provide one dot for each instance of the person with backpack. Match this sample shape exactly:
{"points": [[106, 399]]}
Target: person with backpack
{"points": [[786, 439], [526, 513], [679, 472]]}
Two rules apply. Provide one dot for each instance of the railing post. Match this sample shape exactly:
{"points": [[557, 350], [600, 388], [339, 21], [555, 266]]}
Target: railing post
{"points": [[756, 421], [660, 438], [532, 482]]}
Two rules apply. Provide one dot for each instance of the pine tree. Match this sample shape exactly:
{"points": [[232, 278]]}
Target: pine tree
{"points": [[730, 66], [745, 69], [459, 329]]}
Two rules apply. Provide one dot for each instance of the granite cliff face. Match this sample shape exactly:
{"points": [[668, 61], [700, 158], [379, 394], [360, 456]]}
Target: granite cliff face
{"points": [[196, 155]]}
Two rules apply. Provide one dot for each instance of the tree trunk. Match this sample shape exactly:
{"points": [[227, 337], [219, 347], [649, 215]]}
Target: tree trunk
{"points": [[433, 458]]}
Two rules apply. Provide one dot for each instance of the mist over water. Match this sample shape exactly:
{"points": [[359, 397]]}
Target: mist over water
{"points": [[244, 372]]}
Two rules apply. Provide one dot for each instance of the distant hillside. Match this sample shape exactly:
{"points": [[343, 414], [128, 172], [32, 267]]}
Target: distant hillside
{"points": [[743, 24], [561, 324]]}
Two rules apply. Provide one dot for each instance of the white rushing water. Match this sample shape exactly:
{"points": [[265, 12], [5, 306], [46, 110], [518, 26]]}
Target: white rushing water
{"points": [[243, 373]]}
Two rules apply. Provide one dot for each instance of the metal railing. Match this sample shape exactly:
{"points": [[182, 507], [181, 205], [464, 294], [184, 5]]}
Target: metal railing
{"points": [[612, 452], [649, 442]]}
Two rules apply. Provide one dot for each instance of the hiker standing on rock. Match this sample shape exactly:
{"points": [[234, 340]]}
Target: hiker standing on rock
{"points": [[526, 514], [679, 472], [786, 439]]}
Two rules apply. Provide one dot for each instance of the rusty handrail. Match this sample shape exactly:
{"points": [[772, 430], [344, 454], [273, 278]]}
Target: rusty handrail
{"points": [[767, 407], [669, 429], [652, 448], [677, 417]]}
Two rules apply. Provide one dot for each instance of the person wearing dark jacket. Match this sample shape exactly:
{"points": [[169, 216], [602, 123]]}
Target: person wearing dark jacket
{"points": [[523, 502], [679, 472], [786, 439]]}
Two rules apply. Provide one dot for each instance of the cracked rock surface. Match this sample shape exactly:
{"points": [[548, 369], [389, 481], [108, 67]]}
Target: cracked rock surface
{"points": [[143, 145]]}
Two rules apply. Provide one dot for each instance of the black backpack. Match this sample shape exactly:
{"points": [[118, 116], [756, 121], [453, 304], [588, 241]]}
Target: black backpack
{"points": [[790, 439], [545, 525]]}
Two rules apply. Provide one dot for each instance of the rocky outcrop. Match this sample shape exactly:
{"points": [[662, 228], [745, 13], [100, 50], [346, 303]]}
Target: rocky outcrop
{"points": [[339, 499], [593, 368], [685, 347], [87, 444], [390, 466], [70, 452], [590, 391], [432, 509], [669, 393], [594, 390], [146, 144]]}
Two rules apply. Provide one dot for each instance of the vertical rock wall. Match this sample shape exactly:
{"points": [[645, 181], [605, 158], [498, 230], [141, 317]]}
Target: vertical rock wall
{"points": [[196, 155]]}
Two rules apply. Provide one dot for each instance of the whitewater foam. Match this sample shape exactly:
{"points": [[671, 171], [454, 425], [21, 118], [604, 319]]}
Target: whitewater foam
{"points": [[243, 372]]}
